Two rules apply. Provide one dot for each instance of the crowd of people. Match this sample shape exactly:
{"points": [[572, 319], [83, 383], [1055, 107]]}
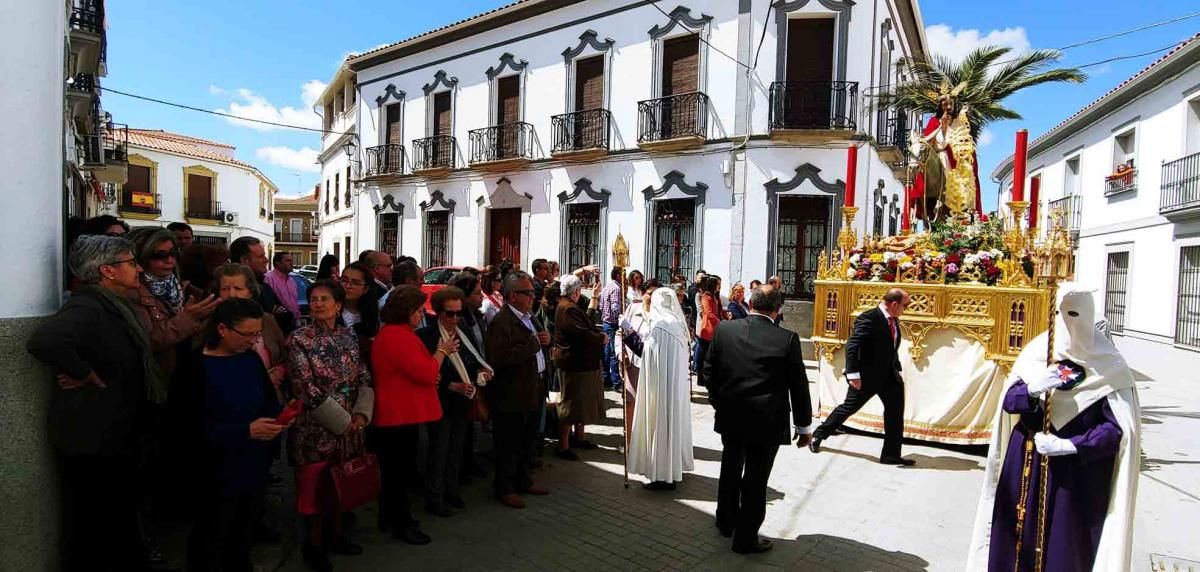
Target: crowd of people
{"points": [[176, 363]]}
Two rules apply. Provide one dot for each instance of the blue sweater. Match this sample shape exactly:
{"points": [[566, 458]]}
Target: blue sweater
{"points": [[237, 391]]}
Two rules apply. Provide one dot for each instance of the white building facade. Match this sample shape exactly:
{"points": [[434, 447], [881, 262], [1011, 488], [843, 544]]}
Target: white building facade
{"points": [[174, 177], [546, 128], [1125, 171], [336, 210]]}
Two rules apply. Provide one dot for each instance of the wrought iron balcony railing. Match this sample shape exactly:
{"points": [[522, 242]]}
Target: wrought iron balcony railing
{"points": [[891, 128], [434, 153], [673, 117], [293, 237], [814, 105], [1115, 185], [131, 202], [83, 83], [385, 160], [108, 143], [581, 130], [1072, 209], [1180, 184], [88, 17], [208, 210], [500, 142]]}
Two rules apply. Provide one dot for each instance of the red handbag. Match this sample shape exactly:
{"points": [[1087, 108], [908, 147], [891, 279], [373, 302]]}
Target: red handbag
{"points": [[355, 480], [478, 410]]}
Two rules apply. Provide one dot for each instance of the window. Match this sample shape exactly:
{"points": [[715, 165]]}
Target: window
{"points": [[437, 238], [347, 199], [1116, 286], [393, 137], [1071, 177], [803, 233], [674, 238], [351, 95], [583, 236], [295, 230], [1124, 169], [137, 195], [389, 233], [278, 229], [679, 114], [1124, 148], [327, 118], [199, 191], [337, 190], [1193, 127], [1187, 319], [327, 187]]}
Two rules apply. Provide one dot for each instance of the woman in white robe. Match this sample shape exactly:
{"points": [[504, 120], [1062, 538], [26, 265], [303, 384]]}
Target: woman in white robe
{"points": [[660, 444]]}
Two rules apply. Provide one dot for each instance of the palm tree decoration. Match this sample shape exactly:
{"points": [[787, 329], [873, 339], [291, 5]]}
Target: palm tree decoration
{"points": [[963, 97]]}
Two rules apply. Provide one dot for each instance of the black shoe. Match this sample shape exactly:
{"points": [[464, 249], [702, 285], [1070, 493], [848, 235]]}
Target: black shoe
{"points": [[896, 461], [315, 558], [814, 444], [456, 502], [726, 531], [265, 534], [438, 509], [566, 455], [585, 445], [760, 546], [342, 546], [412, 534], [659, 486]]}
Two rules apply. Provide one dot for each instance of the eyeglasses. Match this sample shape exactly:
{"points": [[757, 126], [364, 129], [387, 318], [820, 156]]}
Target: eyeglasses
{"points": [[451, 313], [164, 254], [120, 262], [528, 292], [245, 334], [353, 282]]}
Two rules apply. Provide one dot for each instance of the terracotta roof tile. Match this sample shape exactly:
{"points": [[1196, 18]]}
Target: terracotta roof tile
{"points": [[181, 137], [182, 145], [436, 30]]}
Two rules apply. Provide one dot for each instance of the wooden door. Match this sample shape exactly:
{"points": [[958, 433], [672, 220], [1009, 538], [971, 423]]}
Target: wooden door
{"points": [[508, 112], [441, 152], [200, 197], [680, 75], [588, 130], [809, 95], [505, 235]]}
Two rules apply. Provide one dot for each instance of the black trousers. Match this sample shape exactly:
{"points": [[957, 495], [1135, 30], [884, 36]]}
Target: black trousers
{"points": [[396, 448], [513, 434], [223, 534], [742, 491], [446, 438], [100, 531], [892, 396]]}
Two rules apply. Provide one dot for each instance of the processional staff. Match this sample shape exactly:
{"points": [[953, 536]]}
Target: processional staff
{"points": [[620, 254]]}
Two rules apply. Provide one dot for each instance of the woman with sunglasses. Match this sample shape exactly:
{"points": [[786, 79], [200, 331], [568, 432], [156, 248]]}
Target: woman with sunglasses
{"points": [[105, 372], [237, 410]]}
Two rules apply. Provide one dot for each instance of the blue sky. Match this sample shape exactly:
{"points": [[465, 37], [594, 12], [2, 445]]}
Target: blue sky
{"points": [[267, 59]]}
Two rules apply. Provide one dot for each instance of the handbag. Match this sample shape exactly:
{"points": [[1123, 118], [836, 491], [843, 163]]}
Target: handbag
{"points": [[356, 480], [560, 355], [478, 409]]}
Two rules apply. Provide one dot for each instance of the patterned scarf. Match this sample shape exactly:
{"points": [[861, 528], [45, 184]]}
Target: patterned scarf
{"points": [[156, 387], [167, 290]]}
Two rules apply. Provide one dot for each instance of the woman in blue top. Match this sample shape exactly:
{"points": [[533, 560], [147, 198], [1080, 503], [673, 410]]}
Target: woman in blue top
{"points": [[237, 411]]}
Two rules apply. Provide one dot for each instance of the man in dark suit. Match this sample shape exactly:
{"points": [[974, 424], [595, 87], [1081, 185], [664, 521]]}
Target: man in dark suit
{"points": [[515, 351], [873, 368], [754, 370]]}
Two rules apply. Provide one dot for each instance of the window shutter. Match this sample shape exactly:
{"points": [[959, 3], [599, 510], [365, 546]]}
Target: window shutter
{"points": [[441, 114], [139, 179], [681, 65], [393, 124], [199, 193], [589, 83], [508, 96], [810, 49]]}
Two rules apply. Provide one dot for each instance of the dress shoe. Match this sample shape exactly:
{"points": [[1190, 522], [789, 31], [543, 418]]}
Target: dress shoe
{"points": [[814, 444], [535, 491], [566, 455], [342, 546], [455, 502], [438, 509], [511, 500], [726, 531], [659, 486], [411, 534], [761, 545], [896, 461], [315, 558]]}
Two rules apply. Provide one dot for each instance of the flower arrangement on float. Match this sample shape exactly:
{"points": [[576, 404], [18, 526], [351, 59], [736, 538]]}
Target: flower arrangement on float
{"points": [[951, 252]]}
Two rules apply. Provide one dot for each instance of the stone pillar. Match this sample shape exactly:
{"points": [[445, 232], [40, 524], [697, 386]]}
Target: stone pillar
{"points": [[31, 220]]}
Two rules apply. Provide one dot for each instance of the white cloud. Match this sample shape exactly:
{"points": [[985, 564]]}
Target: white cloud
{"points": [[956, 44], [985, 138], [303, 159], [216, 90], [251, 105]]}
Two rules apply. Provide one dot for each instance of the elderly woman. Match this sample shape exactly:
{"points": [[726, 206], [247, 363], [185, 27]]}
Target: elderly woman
{"points": [[237, 281], [635, 325], [738, 308], [237, 408], [580, 345], [332, 382], [105, 371], [169, 309], [406, 379]]}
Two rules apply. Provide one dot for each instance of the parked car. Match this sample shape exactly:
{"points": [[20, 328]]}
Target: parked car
{"points": [[308, 271], [435, 279], [303, 283]]}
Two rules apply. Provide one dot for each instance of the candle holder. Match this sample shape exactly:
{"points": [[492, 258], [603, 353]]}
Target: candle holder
{"points": [[1016, 243], [847, 239]]}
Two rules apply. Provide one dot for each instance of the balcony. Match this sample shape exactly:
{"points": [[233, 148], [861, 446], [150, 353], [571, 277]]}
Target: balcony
{"points": [[1123, 181], [105, 152], [433, 156], [86, 31], [1071, 208], [203, 210], [813, 111], [581, 135], [891, 135], [81, 94], [1180, 200], [674, 122], [300, 237], [384, 161], [502, 147], [139, 205]]}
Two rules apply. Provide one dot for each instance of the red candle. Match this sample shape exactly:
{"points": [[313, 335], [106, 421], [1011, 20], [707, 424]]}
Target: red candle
{"points": [[1035, 185], [1018, 188], [906, 219], [851, 173]]}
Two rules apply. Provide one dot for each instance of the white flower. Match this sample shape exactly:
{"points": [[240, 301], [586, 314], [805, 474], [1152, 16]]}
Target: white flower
{"points": [[889, 256], [997, 253], [971, 260], [850, 273], [855, 258], [906, 265]]}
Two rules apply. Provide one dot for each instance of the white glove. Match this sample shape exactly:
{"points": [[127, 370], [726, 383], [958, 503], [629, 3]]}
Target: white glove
{"points": [[1053, 446], [1048, 380], [625, 323]]}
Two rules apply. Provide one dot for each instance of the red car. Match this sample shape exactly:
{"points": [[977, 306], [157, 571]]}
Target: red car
{"points": [[435, 279]]}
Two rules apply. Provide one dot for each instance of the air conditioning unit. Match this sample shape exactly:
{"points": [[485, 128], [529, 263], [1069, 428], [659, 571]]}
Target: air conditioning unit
{"points": [[230, 218]]}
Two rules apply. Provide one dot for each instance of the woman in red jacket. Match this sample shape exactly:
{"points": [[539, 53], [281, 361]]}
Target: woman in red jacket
{"points": [[406, 379], [710, 315]]}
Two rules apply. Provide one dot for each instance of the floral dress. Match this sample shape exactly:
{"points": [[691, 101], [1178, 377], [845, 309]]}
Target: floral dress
{"points": [[323, 364]]}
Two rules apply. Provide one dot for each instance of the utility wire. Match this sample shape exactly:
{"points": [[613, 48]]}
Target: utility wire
{"points": [[1128, 57], [211, 112], [698, 36], [1130, 31]]}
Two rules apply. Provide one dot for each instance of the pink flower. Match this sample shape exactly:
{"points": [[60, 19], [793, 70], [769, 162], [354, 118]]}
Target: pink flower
{"points": [[947, 242], [951, 268]]}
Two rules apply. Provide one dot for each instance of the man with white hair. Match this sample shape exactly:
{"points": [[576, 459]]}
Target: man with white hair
{"points": [[1092, 443]]}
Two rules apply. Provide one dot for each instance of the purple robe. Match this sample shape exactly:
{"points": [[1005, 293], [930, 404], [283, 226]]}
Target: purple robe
{"points": [[1079, 488]]}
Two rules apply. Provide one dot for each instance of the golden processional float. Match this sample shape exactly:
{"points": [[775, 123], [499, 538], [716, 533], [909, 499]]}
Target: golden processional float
{"points": [[980, 290]]}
